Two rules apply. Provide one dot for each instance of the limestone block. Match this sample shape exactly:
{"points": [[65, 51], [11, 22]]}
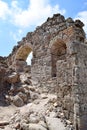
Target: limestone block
{"points": [[24, 126], [17, 101], [8, 128], [13, 78], [36, 127], [23, 96], [33, 119], [54, 124], [20, 65], [3, 123]]}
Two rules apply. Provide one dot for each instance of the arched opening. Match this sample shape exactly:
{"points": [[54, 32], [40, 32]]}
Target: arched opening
{"points": [[23, 58], [23, 52], [29, 58], [58, 52]]}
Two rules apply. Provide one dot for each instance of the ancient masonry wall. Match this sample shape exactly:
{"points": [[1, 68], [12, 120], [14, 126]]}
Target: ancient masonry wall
{"points": [[72, 85], [59, 64], [80, 85]]}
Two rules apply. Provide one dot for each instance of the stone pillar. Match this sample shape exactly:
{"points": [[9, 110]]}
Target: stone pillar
{"points": [[76, 114], [80, 87], [20, 65], [72, 85]]}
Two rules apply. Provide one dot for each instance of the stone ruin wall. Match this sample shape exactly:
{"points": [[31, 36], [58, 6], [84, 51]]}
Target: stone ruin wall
{"points": [[80, 84], [39, 42], [59, 64]]}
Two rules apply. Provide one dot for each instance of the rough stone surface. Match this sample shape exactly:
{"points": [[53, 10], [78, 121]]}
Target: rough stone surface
{"points": [[52, 124], [17, 101], [12, 78], [58, 66], [36, 127]]}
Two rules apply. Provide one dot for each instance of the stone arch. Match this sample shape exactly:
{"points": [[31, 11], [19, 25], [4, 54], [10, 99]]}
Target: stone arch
{"points": [[23, 52], [21, 56], [58, 52]]}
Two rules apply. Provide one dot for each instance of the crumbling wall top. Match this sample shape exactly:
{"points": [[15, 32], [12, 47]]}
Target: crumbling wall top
{"points": [[55, 26]]}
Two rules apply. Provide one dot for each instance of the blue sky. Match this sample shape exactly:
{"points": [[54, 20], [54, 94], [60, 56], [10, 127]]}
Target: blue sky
{"points": [[17, 17]]}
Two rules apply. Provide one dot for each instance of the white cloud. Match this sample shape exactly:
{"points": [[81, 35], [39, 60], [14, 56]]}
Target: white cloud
{"points": [[16, 35], [15, 9], [36, 13], [83, 17], [4, 10], [14, 3]]}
